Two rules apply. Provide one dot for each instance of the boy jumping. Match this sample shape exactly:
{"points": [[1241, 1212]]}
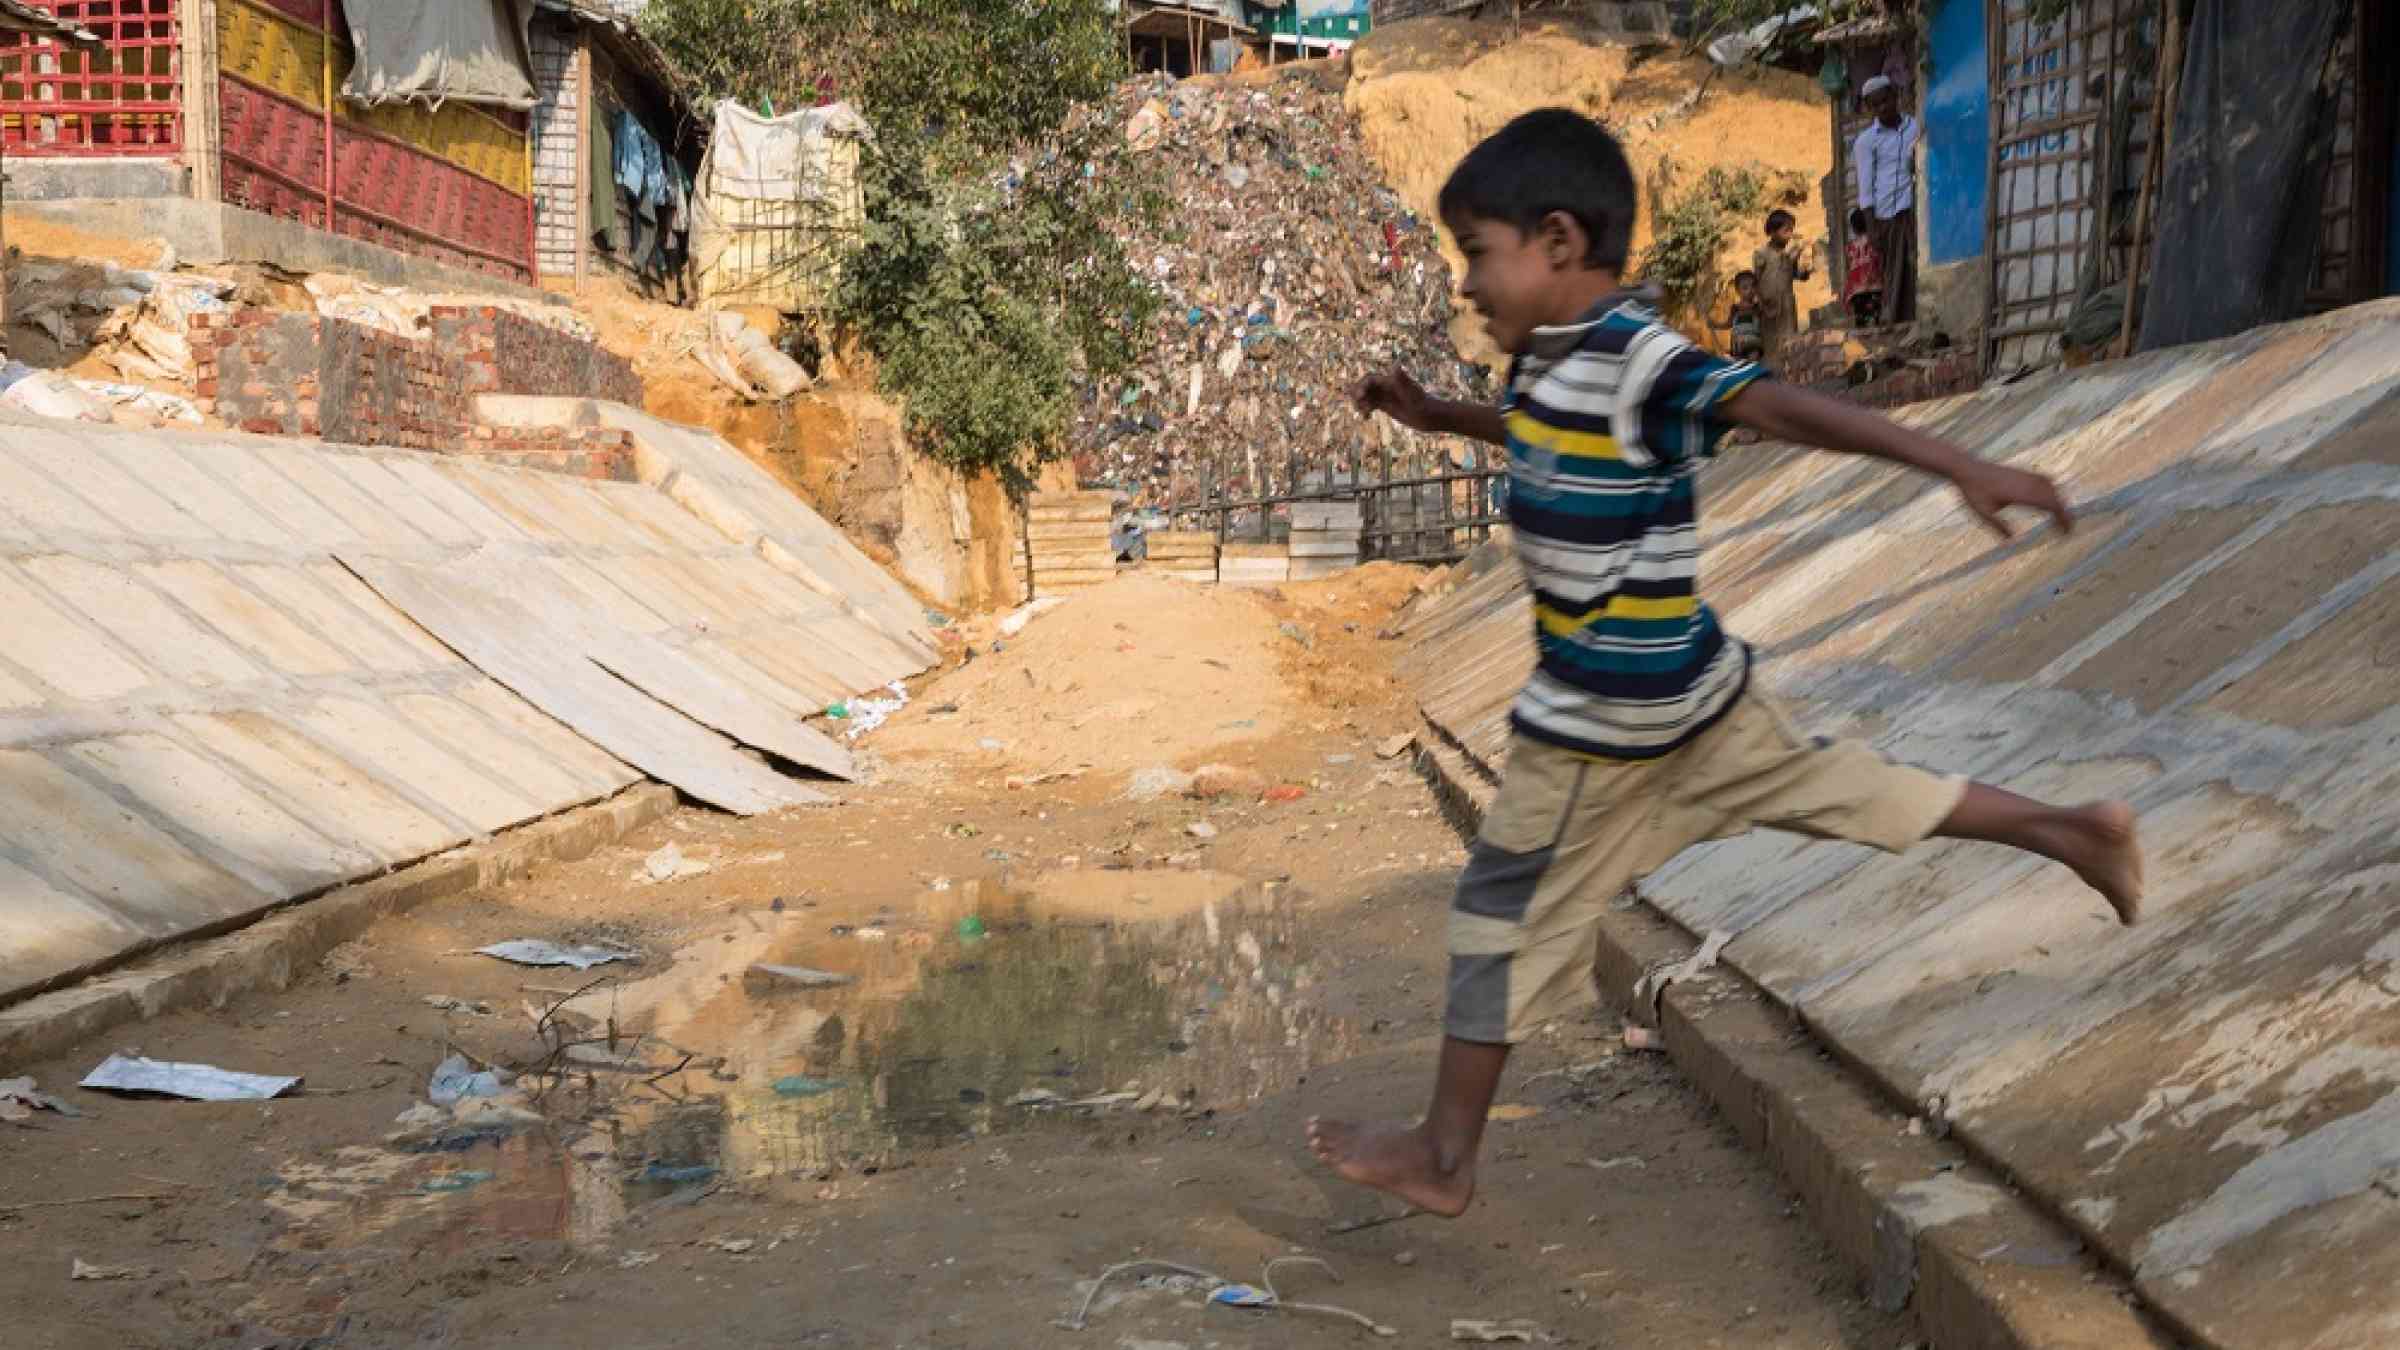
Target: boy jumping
{"points": [[1639, 734]]}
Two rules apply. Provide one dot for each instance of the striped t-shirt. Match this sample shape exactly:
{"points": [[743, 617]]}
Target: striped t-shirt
{"points": [[1607, 421]]}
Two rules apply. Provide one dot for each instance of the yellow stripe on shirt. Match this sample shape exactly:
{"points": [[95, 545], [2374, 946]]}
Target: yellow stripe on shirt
{"points": [[1542, 436], [1618, 607]]}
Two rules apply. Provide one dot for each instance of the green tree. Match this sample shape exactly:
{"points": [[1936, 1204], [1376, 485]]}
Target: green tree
{"points": [[991, 273]]}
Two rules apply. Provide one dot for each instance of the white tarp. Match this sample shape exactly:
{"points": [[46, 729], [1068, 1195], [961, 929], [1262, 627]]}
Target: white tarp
{"points": [[474, 51], [795, 157], [1734, 48]]}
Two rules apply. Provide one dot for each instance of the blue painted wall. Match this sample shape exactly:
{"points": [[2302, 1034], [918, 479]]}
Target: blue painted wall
{"points": [[1958, 131]]}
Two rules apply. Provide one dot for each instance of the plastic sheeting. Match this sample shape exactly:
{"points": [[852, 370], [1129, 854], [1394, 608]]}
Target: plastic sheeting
{"points": [[779, 204], [2245, 176], [789, 158], [474, 51]]}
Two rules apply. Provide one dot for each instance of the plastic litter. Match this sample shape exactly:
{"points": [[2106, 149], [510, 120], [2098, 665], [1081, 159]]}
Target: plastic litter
{"points": [[194, 1082], [456, 1079], [453, 1181], [1242, 1296], [971, 929], [801, 1085], [1480, 1329], [866, 714], [1025, 614], [47, 393], [668, 863], [1228, 1293], [795, 977], [540, 952], [86, 1270], [19, 1100], [1295, 272], [1652, 987], [1157, 784]]}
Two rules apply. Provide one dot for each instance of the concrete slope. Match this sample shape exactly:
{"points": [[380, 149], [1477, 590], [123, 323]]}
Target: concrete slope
{"points": [[203, 713], [2209, 1097], [722, 486]]}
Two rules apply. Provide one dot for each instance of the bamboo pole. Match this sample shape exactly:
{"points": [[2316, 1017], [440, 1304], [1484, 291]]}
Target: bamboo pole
{"points": [[2168, 82], [326, 10]]}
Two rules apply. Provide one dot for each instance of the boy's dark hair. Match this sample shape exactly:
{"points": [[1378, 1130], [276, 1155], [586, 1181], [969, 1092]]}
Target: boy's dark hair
{"points": [[1858, 220], [1549, 160], [1779, 216], [1745, 275]]}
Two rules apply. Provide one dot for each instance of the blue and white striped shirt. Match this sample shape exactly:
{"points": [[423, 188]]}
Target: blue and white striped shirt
{"points": [[1608, 418]]}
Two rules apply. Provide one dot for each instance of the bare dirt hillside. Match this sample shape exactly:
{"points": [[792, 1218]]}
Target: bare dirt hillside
{"points": [[1424, 91]]}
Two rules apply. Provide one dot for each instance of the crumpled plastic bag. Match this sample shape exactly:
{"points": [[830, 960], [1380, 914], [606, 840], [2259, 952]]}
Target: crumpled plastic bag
{"points": [[47, 393], [151, 339], [455, 1080]]}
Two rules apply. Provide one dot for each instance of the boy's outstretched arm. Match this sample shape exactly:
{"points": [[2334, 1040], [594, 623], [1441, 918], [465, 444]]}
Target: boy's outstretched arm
{"points": [[1398, 396], [1781, 412]]}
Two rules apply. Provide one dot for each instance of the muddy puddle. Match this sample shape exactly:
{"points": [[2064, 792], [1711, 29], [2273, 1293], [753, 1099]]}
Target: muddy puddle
{"points": [[786, 1053]]}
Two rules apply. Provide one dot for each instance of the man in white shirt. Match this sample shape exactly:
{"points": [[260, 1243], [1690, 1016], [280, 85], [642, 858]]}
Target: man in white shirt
{"points": [[1884, 157]]}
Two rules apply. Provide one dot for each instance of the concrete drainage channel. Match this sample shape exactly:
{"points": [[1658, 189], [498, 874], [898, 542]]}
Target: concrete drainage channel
{"points": [[267, 954], [1928, 1226]]}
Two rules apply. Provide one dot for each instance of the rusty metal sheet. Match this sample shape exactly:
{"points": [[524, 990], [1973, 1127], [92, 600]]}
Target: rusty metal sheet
{"points": [[530, 654]]}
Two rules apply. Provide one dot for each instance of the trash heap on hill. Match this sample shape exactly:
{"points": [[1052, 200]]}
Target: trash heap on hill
{"points": [[1290, 272]]}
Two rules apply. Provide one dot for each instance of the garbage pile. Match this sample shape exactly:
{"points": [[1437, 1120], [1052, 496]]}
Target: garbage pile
{"points": [[1290, 273]]}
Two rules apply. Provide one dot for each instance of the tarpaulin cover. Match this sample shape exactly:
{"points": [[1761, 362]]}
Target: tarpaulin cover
{"points": [[787, 158], [474, 51], [779, 204], [2246, 163]]}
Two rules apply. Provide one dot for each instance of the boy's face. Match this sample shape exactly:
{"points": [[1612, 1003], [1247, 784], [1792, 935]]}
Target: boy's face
{"points": [[1780, 233], [1512, 278], [1746, 288]]}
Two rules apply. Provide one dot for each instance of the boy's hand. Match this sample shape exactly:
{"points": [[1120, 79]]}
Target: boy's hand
{"points": [[1991, 488], [1397, 396]]}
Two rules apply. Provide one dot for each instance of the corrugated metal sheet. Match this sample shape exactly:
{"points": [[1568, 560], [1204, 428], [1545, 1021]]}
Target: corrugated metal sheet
{"points": [[203, 713], [2211, 1097]]}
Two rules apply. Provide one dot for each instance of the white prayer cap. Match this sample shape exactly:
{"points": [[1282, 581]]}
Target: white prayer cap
{"points": [[1875, 86]]}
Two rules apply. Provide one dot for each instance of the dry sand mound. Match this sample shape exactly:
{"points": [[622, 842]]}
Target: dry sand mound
{"points": [[1424, 91], [1140, 672]]}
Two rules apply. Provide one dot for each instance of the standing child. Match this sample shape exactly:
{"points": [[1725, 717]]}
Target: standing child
{"points": [[1745, 319], [1862, 286], [1641, 731], [1779, 264]]}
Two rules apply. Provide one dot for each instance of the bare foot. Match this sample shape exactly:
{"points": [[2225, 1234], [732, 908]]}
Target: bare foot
{"points": [[1402, 1162], [2101, 842]]}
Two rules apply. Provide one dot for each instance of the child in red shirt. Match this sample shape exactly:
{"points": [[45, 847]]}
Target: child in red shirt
{"points": [[1862, 284]]}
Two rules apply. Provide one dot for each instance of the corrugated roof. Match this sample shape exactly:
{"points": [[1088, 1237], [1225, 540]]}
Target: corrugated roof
{"points": [[18, 17]]}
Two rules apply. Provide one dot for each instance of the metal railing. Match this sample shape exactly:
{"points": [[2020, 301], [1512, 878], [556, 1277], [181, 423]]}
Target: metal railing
{"points": [[1432, 515]]}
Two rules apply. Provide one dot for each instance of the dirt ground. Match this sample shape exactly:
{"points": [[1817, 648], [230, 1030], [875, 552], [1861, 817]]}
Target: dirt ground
{"points": [[1425, 91], [1077, 1029]]}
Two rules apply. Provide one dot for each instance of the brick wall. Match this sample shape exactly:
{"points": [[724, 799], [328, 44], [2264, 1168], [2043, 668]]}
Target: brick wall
{"points": [[259, 371], [381, 389], [585, 452], [507, 353], [1818, 360], [1953, 372], [306, 375]]}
